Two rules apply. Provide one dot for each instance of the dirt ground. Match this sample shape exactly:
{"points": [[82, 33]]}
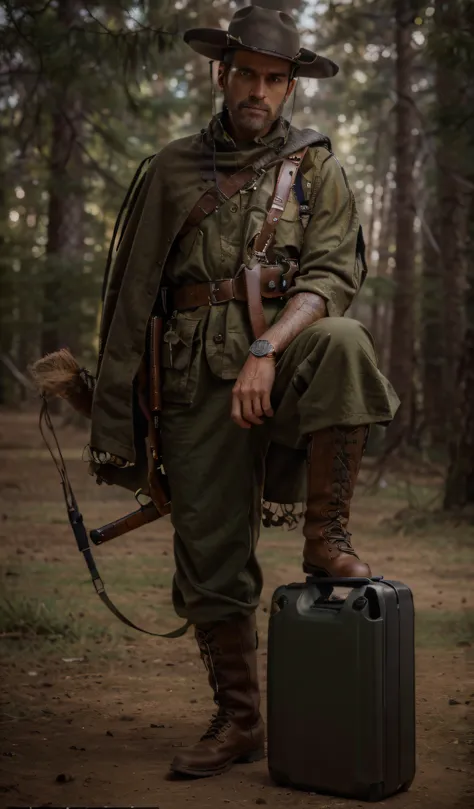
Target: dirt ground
{"points": [[92, 712]]}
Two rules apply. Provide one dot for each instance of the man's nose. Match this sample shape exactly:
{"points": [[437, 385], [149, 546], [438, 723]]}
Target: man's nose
{"points": [[259, 89]]}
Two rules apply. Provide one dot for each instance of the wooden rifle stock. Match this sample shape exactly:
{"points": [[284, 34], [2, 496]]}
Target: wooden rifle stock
{"points": [[142, 516]]}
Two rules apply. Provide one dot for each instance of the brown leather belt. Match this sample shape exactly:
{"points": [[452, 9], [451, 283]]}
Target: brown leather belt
{"points": [[274, 282]]}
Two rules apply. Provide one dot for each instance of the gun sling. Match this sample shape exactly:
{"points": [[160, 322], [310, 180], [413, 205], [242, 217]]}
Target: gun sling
{"points": [[77, 524]]}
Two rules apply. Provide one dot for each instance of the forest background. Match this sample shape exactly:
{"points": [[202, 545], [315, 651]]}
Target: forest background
{"points": [[89, 89], [90, 711]]}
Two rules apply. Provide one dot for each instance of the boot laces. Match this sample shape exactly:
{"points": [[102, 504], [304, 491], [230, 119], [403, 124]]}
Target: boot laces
{"points": [[334, 531], [219, 724], [336, 535], [210, 653]]}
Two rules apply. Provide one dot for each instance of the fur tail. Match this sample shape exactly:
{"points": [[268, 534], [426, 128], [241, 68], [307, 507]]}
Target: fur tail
{"points": [[59, 374]]}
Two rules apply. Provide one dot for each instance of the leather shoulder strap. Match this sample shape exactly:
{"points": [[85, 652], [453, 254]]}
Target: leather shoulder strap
{"points": [[252, 272], [216, 195], [286, 179]]}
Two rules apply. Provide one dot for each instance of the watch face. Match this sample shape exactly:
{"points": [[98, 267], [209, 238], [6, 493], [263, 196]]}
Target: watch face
{"points": [[260, 348]]}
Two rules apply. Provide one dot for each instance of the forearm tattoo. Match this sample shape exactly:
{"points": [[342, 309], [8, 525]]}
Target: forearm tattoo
{"points": [[301, 311]]}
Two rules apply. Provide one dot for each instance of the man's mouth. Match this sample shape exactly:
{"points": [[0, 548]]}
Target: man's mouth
{"points": [[254, 109]]}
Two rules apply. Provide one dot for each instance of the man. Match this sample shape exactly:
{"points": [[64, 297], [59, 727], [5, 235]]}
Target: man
{"points": [[242, 419]]}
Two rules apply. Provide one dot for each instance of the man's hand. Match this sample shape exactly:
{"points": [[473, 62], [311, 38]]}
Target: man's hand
{"points": [[252, 390]]}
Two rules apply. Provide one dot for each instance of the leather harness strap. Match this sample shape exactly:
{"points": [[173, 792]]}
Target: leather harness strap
{"points": [[286, 179], [264, 240], [253, 281], [254, 299], [209, 294], [273, 284], [217, 195]]}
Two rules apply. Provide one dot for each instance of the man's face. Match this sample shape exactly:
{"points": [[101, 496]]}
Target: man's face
{"points": [[255, 90]]}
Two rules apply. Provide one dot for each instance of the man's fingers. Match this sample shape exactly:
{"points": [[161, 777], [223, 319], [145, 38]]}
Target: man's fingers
{"points": [[248, 410], [257, 407], [249, 407], [236, 413], [267, 405]]}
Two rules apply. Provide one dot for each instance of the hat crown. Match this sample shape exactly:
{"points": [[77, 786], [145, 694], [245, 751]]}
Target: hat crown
{"points": [[266, 29], [263, 30]]}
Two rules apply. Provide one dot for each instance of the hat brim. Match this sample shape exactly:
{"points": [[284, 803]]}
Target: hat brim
{"points": [[214, 42]]}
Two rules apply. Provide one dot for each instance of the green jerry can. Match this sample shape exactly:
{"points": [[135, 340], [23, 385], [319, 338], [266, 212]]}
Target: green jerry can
{"points": [[341, 687]]}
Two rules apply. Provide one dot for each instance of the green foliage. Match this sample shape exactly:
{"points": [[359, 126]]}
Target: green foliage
{"points": [[31, 618], [381, 288], [116, 78]]}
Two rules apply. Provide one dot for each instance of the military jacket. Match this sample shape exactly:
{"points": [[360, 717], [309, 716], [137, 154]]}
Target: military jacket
{"points": [[151, 253], [325, 247]]}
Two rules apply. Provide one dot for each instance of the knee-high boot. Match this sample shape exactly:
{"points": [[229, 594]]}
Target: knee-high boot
{"points": [[236, 732], [334, 463]]}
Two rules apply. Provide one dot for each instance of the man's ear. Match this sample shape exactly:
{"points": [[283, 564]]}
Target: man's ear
{"points": [[221, 76]]}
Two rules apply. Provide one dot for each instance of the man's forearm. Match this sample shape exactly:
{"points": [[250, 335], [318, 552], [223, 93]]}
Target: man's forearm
{"points": [[301, 311]]}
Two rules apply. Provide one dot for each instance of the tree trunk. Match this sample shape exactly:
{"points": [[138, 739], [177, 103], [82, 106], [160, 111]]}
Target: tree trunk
{"points": [[377, 178], [386, 315], [459, 489], [433, 342], [6, 302], [453, 203], [64, 251], [403, 327], [381, 267]]}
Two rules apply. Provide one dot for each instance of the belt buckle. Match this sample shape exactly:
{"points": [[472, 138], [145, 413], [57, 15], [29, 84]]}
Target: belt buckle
{"points": [[213, 288]]}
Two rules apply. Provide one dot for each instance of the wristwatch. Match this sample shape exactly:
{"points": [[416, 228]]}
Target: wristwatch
{"points": [[262, 348]]}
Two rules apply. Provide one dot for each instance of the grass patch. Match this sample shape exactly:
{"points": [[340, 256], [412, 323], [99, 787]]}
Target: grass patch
{"points": [[32, 618], [35, 629], [435, 628], [130, 575], [15, 453], [46, 513], [439, 527], [53, 610]]}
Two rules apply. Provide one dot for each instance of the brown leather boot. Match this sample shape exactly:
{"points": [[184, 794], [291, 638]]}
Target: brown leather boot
{"points": [[334, 463], [236, 732]]}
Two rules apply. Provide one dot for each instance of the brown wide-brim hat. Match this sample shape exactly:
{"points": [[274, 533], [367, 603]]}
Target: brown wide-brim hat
{"points": [[261, 30]]}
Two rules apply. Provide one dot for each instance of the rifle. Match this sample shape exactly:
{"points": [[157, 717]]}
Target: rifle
{"points": [[149, 396], [142, 516], [59, 374], [80, 534]]}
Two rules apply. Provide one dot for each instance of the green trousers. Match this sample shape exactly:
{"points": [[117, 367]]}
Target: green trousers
{"points": [[218, 472]]}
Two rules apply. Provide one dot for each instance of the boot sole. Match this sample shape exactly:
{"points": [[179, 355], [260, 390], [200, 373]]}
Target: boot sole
{"points": [[320, 573], [248, 758], [315, 571]]}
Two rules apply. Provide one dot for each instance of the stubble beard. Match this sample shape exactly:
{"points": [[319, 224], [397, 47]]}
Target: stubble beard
{"points": [[247, 123]]}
